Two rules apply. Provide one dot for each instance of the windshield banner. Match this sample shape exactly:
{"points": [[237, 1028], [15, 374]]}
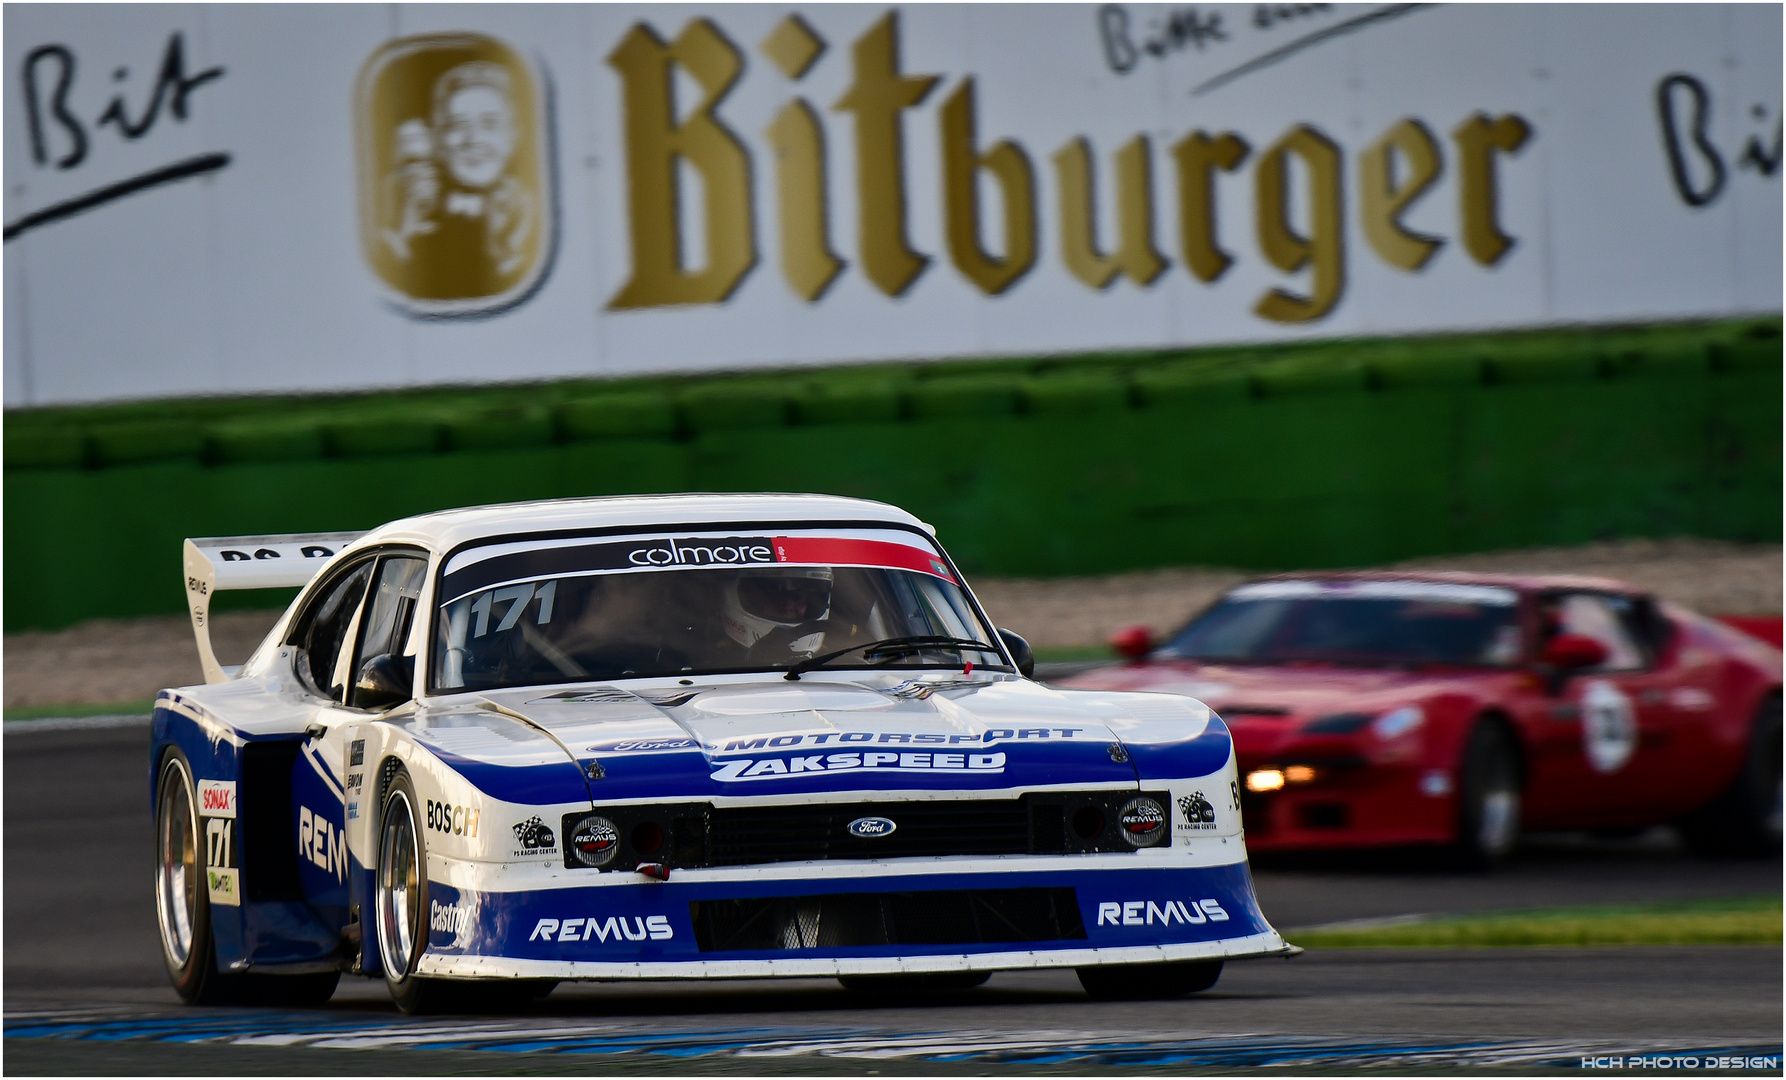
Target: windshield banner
{"points": [[684, 553]]}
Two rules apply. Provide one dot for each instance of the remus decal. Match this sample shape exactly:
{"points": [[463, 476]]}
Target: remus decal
{"points": [[456, 202]]}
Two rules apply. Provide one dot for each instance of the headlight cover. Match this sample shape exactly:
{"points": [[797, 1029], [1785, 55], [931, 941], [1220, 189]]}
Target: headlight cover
{"points": [[1398, 722], [594, 841], [1141, 822]]}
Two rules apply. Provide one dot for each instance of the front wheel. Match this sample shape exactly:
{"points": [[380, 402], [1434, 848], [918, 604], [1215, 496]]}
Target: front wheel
{"points": [[1489, 802], [401, 901], [1143, 982], [1745, 818]]}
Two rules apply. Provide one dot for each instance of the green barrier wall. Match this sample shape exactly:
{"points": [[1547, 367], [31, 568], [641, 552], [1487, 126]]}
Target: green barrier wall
{"points": [[1339, 454]]}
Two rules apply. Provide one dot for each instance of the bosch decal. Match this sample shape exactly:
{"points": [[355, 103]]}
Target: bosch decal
{"points": [[614, 928], [453, 820], [1160, 912]]}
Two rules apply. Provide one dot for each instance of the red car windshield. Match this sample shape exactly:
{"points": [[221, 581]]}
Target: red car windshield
{"points": [[1355, 622]]}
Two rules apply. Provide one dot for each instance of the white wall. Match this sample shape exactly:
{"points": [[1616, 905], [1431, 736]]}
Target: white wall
{"points": [[252, 277]]}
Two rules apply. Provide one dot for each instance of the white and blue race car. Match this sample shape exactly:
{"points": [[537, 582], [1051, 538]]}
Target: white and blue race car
{"points": [[696, 736]]}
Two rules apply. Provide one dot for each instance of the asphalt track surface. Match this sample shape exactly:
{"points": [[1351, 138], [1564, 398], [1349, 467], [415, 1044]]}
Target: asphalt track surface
{"points": [[85, 992]]}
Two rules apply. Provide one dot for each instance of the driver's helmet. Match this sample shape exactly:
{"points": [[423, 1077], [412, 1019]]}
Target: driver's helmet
{"points": [[762, 600]]}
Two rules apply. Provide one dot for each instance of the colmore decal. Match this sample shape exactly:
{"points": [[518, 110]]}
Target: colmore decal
{"points": [[888, 761], [703, 553], [614, 928]]}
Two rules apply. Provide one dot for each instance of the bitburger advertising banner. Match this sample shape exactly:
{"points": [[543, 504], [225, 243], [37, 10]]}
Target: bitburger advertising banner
{"points": [[230, 199]]}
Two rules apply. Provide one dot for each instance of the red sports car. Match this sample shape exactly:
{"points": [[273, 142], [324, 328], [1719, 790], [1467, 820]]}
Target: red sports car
{"points": [[1379, 709]]}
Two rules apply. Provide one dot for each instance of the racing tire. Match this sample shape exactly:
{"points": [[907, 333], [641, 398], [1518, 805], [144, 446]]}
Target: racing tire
{"points": [[1149, 982], [400, 903], [919, 983], [182, 898], [1745, 818], [183, 910], [1489, 798]]}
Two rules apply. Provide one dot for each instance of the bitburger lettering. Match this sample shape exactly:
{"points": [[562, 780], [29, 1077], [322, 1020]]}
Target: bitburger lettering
{"points": [[614, 928]]}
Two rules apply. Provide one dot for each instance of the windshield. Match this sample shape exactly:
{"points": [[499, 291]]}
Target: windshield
{"points": [[637, 607], [1356, 622]]}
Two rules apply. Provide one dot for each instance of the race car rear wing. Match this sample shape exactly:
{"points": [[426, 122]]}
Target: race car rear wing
{"points": [[213, 563]]}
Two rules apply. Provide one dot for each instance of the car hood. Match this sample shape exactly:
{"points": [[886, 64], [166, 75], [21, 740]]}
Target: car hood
{"points": [[766, 737], [1236, 692]]}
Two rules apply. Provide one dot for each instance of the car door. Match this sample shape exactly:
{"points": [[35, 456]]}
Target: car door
{"points": [[365, 610], [1619, 712]]}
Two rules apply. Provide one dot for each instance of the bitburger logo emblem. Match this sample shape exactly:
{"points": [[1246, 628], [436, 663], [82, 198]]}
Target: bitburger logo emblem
{"points": [[456, 207]]}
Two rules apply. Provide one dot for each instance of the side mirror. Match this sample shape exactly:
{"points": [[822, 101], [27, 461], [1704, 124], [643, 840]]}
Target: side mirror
{"points": [[384, 681], [1571, 652], [1132, 642], [1020, 652]]}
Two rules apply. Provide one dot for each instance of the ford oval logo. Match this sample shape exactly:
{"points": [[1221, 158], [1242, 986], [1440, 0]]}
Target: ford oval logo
{"points": [[868, 827]]}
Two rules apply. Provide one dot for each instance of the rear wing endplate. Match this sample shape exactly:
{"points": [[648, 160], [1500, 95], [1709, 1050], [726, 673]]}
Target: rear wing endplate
{"points": [[214, 563]]}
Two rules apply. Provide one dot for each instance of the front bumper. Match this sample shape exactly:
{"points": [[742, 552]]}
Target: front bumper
{"points": [[652, 930]]}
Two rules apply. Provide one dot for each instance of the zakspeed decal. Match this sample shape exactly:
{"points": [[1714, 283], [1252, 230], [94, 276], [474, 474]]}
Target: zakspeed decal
{"points": [[1160, 912], [217, 798], [452, 820], [886, 761], [321, 843], [613, 928]]}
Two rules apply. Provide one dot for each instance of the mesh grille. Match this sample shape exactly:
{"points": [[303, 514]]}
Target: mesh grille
{"points": [[761, 834], [845, 920]]}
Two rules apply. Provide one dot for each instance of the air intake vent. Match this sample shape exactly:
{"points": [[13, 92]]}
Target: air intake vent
{"points": [[843, 920]]}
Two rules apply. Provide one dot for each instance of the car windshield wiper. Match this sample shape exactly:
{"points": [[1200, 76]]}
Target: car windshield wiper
{"points": [[891, 647]]}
